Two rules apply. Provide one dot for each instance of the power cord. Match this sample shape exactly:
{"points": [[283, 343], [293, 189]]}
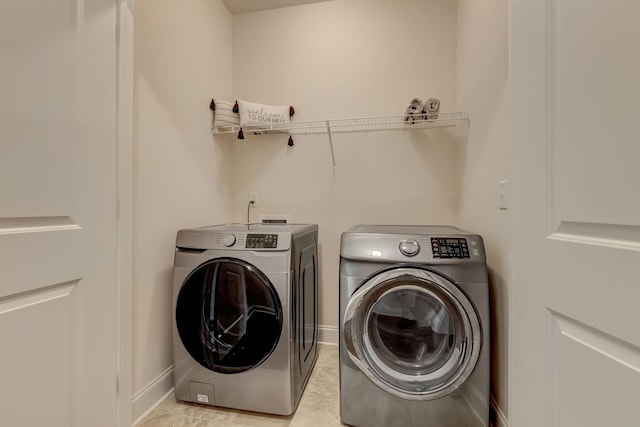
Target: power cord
{"points": [[251, 202]]}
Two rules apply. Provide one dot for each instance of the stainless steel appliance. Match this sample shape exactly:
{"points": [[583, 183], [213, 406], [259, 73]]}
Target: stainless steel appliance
{"points": [[414, 327], [245, 315]]}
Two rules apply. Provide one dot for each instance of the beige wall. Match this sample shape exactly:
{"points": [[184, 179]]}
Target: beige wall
{"points": [[345, 59], [483, 91], [181, 176]]}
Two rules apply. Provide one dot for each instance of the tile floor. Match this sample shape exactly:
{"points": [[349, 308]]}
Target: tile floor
{"points": [[319, 406]]}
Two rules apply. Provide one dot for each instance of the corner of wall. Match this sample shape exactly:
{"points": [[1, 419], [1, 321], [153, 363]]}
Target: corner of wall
{"points": [[180, 173], [482, 90]]}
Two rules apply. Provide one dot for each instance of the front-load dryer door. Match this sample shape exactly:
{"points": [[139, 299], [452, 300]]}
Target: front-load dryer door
{"points": [[413, 333], [228, 315]]}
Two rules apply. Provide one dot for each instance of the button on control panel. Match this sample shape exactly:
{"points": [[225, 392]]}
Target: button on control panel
{"points": [[449, 247], [409, 247]]}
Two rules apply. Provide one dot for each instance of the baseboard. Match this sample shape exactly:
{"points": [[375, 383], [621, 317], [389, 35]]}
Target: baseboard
{"points": [[327, 335], [146, 400], [497, 416]]}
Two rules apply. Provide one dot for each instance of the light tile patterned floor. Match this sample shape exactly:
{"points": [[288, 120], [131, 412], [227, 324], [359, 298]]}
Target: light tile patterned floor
{"points": [[319, 406]]}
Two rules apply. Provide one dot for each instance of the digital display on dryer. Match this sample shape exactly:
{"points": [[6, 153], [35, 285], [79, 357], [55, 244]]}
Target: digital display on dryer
{"points": [[262, 241], [449, 247]]}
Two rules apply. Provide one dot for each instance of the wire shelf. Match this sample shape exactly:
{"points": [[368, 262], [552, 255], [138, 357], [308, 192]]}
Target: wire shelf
{"points": [[352, 125], [362, 124]]}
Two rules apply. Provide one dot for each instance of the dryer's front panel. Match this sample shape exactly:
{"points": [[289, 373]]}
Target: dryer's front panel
{"points": [[228, 315], [413, 333]]}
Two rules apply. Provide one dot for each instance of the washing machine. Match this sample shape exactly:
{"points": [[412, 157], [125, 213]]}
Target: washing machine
{"points": [[414, 327], [245, 315]]}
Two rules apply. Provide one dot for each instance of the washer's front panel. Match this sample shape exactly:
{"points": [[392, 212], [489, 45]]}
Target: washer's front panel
{"points": [[253, 389], [413, 332], [228, 316]]}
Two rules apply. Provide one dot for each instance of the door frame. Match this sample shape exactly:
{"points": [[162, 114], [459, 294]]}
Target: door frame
{"points": [[124, 212]]}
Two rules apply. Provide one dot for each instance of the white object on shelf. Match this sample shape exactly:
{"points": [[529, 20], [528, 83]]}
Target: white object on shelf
{"points": [[349, 125]]}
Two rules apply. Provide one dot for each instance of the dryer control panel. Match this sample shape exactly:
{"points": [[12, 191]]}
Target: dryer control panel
{"points": [[445, 248], [449, 247]]}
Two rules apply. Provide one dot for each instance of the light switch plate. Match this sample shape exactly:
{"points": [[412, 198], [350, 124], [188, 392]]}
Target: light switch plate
{"points": [[503, 194]]}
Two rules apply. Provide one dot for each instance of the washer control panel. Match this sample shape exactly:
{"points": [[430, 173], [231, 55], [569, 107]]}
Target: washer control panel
{"points": [[409, 247], [449, 247], [237, 238], [262, 241], [241, 241]]}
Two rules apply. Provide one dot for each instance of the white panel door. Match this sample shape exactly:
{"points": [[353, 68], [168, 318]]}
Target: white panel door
{"points": [[575, 317], [58, 271]]}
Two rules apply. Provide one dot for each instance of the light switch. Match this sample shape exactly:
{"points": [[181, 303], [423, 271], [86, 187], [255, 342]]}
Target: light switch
{"points": [[503, 194]]}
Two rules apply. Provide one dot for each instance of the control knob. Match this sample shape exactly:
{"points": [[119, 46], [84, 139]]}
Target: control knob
{"points": [[409, 247], [229, 240]]}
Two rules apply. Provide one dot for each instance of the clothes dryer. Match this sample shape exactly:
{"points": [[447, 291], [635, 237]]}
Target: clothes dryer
{"points": [[245, 315], [414, 329]]}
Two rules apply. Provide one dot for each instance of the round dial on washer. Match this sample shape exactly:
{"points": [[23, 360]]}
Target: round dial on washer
{"points": [[229, 240], [409, 247]]}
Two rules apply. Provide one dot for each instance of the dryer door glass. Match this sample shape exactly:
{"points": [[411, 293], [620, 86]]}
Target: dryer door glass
{"points": [[228, 315], [413, 332]]}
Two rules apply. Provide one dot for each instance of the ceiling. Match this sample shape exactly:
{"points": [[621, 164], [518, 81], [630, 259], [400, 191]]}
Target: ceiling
{"points": [[237, 7]]}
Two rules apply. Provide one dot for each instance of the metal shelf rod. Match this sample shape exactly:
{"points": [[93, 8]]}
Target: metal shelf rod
{"points": [[333, 157]]}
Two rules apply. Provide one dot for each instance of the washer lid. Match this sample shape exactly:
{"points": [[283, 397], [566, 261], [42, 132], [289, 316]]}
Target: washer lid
{"points": [[413, 333]]}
